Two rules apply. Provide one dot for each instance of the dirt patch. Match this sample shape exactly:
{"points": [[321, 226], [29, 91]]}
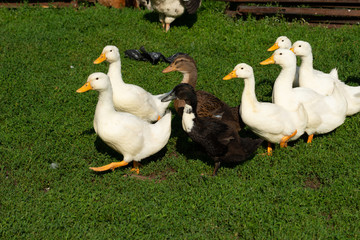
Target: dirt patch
{"points": [[8, 176], [313, 182], [157, 176], [328, 216], [174, 154]]}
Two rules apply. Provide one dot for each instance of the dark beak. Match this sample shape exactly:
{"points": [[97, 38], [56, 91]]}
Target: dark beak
{"points": [[168, 97]]}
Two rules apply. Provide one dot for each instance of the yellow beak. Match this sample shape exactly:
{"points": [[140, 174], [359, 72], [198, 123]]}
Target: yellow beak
{"points": [[100, 59], [86, 87], [270, 60], [230, 75], [273, 47], [292, 49]]}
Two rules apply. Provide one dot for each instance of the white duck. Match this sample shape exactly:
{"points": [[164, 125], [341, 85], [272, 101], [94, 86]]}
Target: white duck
{"points": [[281, 42], [169, 10], [268, 120], [129, 135], [284, 42], [325, 113], [321, 82], [129, 97]]}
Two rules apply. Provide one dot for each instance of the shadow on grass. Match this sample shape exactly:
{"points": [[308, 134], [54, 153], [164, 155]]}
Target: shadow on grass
{"points": [[353, 80], [185, 146], [105, 149], [185, 20], [90, 131], [192, 150]]}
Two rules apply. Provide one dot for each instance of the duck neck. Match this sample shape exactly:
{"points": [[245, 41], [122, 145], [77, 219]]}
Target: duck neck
{"points": [[283, 84], [115, 75], [249, 95], [105, 102], [306, 63], [190, 77], [188, 117]]}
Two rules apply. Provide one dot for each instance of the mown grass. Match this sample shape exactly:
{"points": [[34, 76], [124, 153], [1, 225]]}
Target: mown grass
{"points": [[304, 191]]}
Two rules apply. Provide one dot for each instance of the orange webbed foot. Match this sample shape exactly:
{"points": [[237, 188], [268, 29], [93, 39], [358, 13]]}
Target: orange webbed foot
{"points": [[110, 166]]}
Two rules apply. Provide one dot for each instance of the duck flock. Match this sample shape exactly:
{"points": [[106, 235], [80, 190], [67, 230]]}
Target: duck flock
{"points": [[137, 124]]}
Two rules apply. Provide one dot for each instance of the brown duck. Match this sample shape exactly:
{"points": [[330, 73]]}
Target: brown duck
{"points": [[208, 105], [219, 140]]}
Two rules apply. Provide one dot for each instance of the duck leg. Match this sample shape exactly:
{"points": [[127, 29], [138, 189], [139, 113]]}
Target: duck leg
{"points": [[167, 27], [310, 138], [162, 19], [217, 165], [167, 21], [269, 149], [135, 167], [111, 166], [284, 140]]}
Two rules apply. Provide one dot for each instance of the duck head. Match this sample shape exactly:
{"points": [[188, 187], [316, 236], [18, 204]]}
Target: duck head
{"points": [[96, 81], [183, 91], [301, 48], [110, 54], [282, 57], [182, 63], [281, 42], [241, 70]]}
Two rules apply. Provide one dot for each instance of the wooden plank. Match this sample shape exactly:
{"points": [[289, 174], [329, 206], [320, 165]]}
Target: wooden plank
{"points": [[330, 13], [336, 21], [329, 23], [356, 2], [259, 10], [41, 4]]}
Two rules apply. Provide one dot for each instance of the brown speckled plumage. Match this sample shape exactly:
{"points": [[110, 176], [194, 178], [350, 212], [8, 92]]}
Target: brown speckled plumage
{"points": [[208, 104]]}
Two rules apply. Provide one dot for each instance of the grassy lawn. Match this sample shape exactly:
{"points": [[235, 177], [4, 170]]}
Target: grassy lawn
{"points": [[47, 141]]}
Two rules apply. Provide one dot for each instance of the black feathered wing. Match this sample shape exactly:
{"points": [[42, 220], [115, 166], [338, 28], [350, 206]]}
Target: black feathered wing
{"points": [[192, 5]]}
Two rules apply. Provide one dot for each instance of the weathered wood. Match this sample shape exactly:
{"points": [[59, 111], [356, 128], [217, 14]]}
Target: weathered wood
{"points": [[41, 4], [328, 12], [325, 2], [258, 10], [69, 3]]}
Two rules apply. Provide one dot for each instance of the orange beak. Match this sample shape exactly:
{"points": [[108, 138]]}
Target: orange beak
{"points": [[230, 75], [86, 87], [170, 68], [292, 49], [270, 60], [273, 47], [100, 59]]}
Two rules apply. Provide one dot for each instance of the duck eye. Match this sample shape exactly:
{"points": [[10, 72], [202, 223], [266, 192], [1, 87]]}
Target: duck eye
{"points": [[280, 53], [97, 78], [299, 45], [242, 68], [110, 50], [282, 40]]}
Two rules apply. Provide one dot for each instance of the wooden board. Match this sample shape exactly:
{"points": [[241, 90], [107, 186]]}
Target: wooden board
{"points": [[337, 12]]}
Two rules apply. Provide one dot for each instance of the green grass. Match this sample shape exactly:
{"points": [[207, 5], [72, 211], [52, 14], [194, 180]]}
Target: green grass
{"points": [[301, 192]]}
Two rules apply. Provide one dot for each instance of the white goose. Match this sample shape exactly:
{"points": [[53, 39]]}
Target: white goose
{"points": [[129, 135], [321, 82], [325, 113], [129, 97], [268, 120], [284, 42]]}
